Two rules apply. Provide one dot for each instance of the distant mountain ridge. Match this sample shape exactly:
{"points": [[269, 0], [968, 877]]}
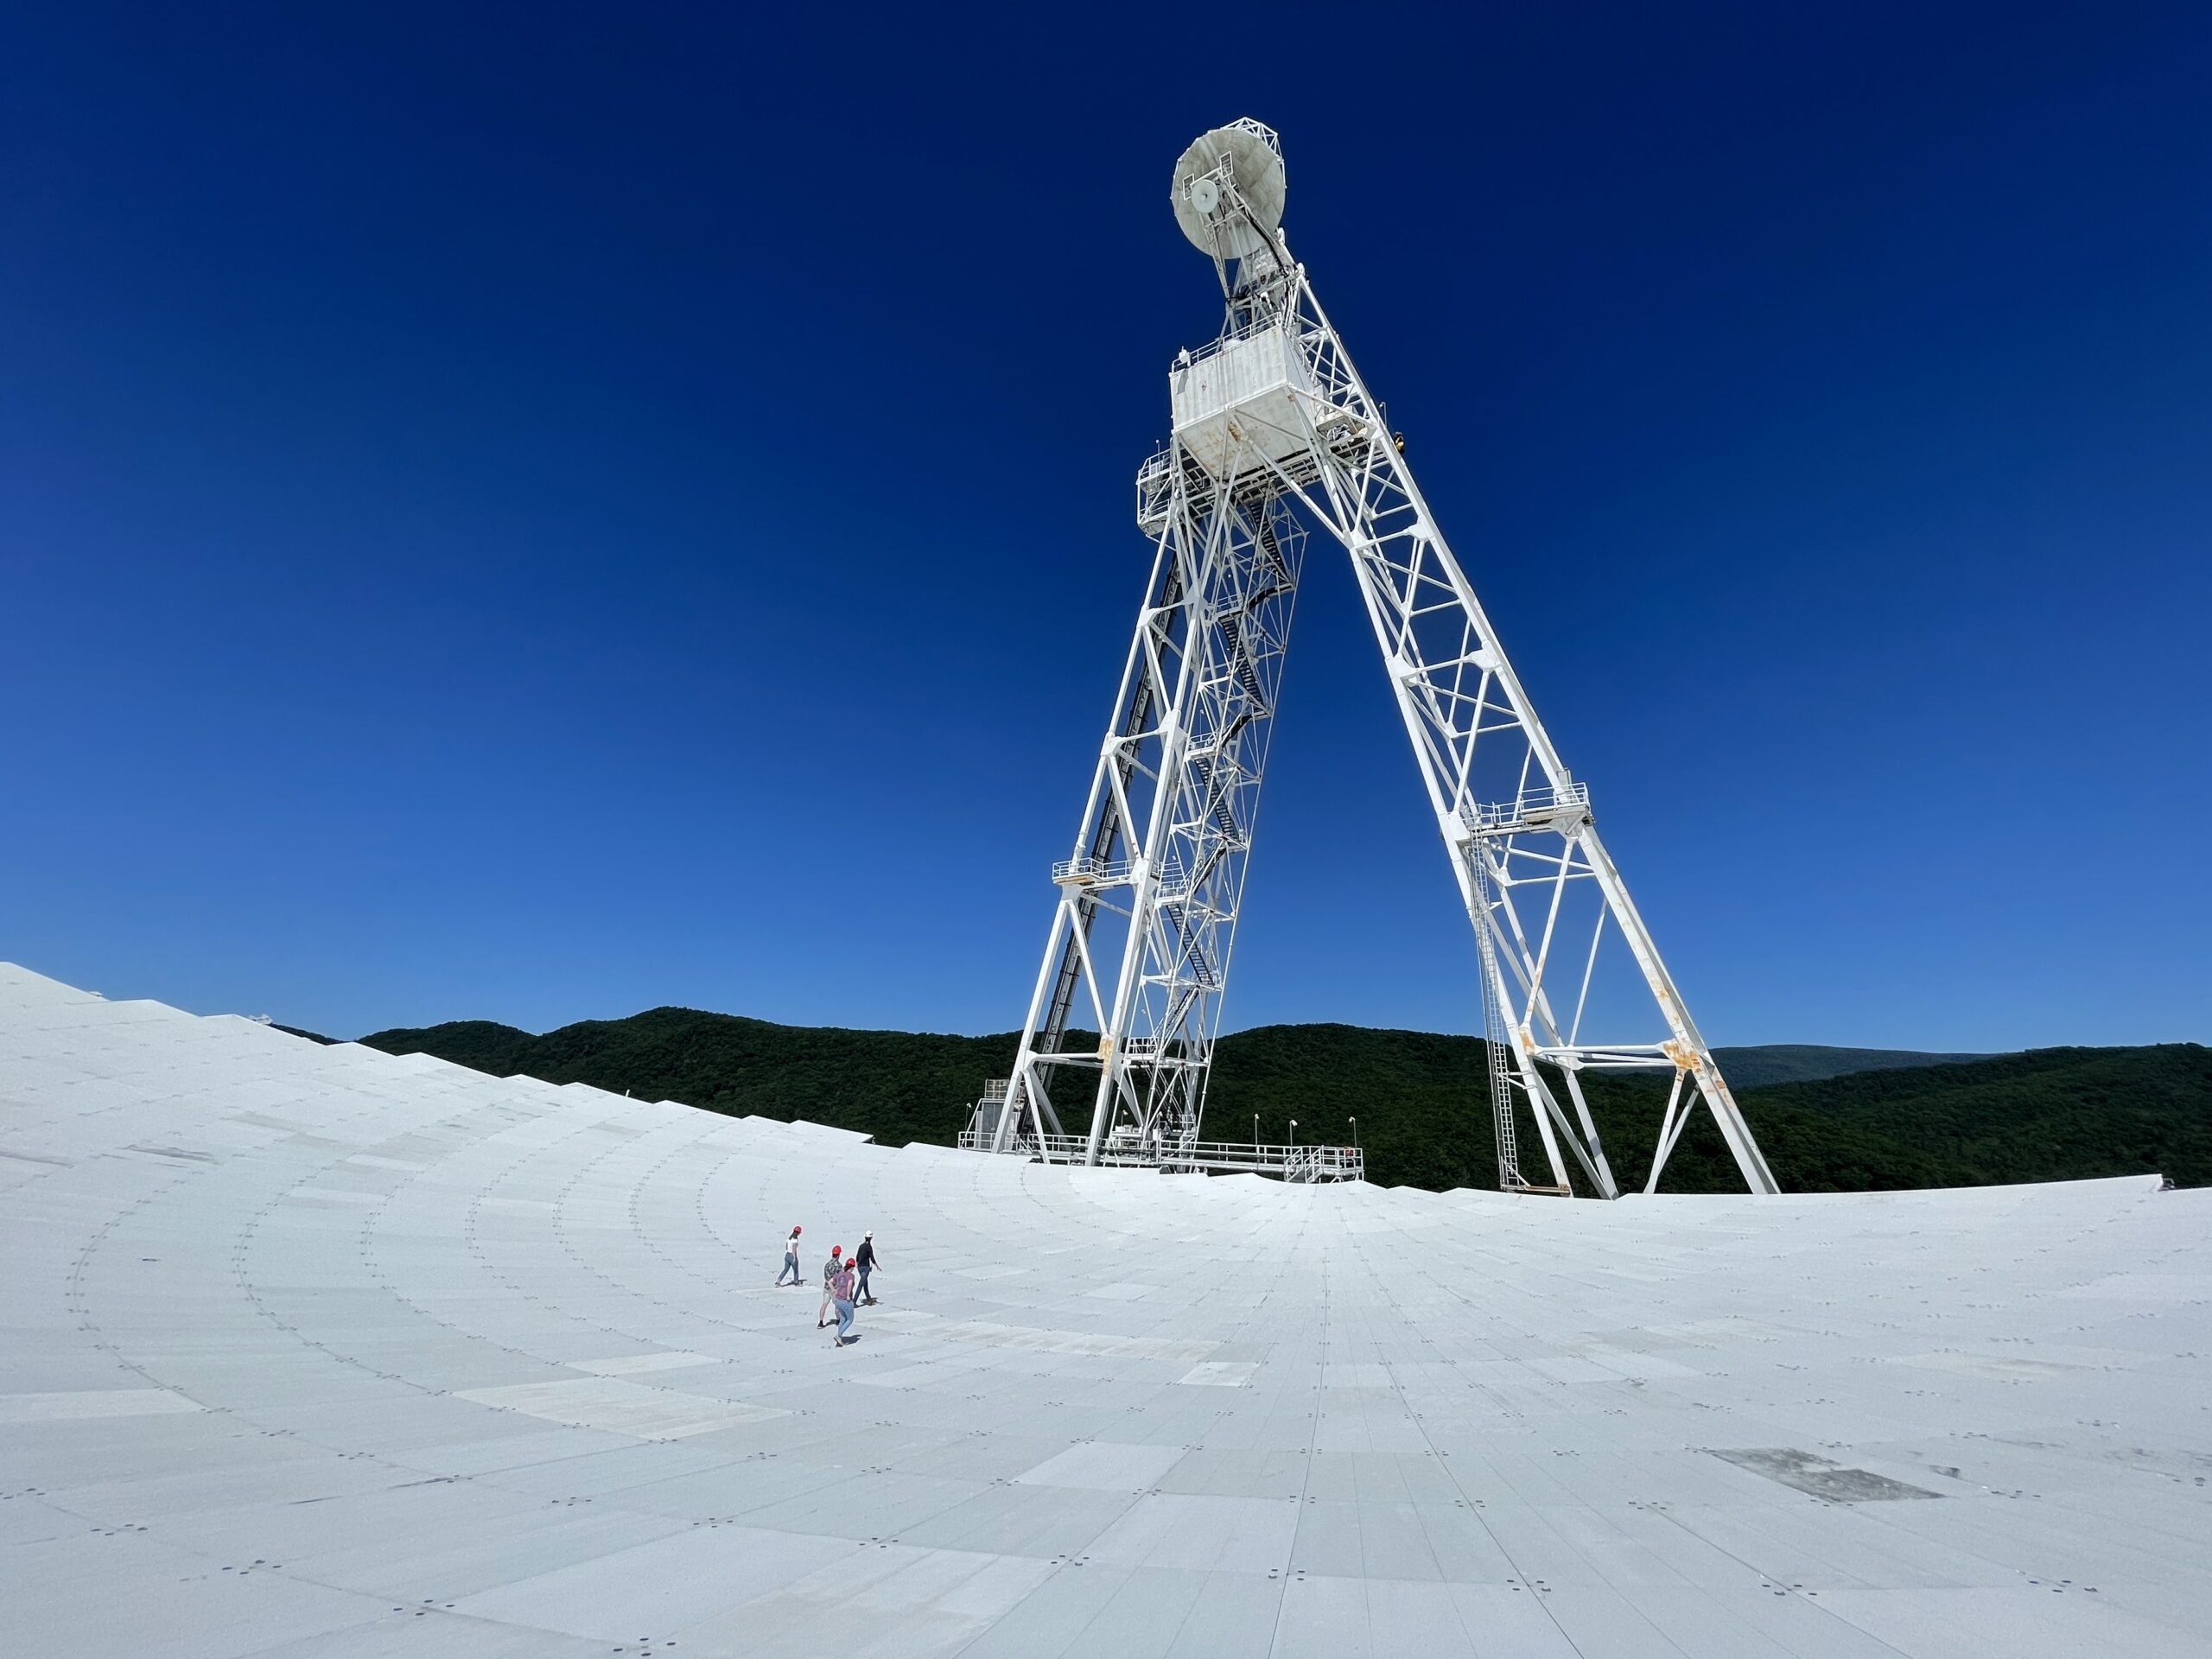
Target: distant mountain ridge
{"points": [[1828, 1118], [499, 1048], [1755, 1067]]}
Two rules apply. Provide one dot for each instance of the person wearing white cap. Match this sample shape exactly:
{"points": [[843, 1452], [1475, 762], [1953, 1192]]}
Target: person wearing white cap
{"points": [[864, 1259]]}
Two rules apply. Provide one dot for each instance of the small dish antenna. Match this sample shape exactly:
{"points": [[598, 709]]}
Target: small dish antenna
{"points": [[1236, 221]]}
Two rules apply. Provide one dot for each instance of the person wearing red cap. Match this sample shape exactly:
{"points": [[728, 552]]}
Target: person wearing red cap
{"points": [[841, 1292], [829, 1271], [791, 1260]]}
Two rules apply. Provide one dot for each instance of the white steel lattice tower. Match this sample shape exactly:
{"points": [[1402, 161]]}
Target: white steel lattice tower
{"points": [[1273, 430]]}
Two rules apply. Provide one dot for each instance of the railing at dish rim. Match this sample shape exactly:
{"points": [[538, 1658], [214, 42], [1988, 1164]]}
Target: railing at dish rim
{"points": [[1296, 1163]]}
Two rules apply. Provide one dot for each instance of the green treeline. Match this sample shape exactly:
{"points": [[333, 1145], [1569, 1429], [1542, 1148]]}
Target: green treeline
{"points": [[1828, 1120]]}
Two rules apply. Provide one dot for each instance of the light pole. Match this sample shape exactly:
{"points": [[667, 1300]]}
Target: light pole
{"points": [[1294, 1134], [1355, 1131], [1255, 1131]]}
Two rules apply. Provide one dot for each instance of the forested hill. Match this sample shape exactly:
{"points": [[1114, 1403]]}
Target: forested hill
{"points": [[1828, 1118]]}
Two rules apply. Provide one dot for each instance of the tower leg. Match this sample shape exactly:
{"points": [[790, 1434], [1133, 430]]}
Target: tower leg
{"points": [[1504, 801]]}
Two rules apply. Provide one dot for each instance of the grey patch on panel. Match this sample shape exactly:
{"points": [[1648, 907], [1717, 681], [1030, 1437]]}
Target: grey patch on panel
{"points": [[36, 1157], [182, 1153], [1818, 1477]]}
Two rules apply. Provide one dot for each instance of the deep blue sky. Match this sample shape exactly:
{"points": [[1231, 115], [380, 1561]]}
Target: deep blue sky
{"points": [[533, 514]]}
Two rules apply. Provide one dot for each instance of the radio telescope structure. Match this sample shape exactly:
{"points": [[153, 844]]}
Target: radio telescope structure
{"points": [[1275, 435]]}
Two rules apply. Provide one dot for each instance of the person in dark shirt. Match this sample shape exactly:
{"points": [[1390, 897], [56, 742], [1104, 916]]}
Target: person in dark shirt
{"points": [[864, 1259]]}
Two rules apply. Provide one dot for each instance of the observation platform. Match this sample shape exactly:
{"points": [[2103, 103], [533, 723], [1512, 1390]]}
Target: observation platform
{"points": [[1286, 1162], [316, 1351]]}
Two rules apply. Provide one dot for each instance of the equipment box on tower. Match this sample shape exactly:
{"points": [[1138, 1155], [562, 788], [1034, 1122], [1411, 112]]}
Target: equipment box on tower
{"points": [[1243, 392]]}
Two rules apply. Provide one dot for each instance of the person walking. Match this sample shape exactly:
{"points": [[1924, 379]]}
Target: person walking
{"points": [[864, 1260], [841, 1292], [791, 1260], [830, 1269]]}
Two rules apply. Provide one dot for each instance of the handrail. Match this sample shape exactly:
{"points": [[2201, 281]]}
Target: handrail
{"points": [[1302, 1163], [1540, 808], [1171, 880]]}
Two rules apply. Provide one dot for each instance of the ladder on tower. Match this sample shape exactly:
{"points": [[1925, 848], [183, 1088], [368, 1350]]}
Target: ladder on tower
{"points": [[1498, 1037], [1495, 1039]]}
